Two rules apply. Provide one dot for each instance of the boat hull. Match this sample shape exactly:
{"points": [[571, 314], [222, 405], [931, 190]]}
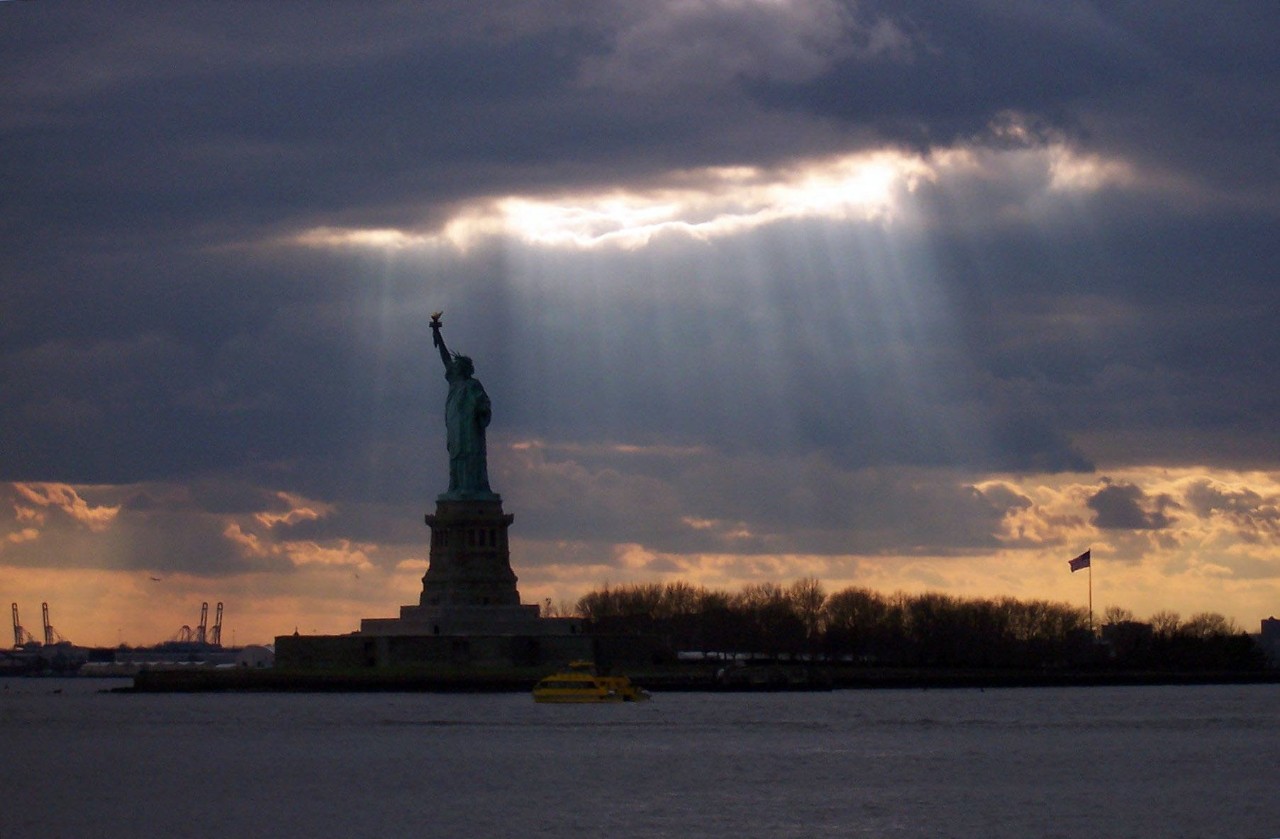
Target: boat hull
{"points": [[581, 686]]}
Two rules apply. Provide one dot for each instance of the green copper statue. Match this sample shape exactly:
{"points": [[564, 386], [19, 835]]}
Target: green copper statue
{"points": [[466, 415]]}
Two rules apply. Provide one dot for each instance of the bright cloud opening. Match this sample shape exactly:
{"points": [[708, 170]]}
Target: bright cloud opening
{"points": [[338, 237], [713, 202], [731, 200]]}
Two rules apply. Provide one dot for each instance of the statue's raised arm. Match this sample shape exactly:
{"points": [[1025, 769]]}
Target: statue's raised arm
{"points": [[438, 340]]}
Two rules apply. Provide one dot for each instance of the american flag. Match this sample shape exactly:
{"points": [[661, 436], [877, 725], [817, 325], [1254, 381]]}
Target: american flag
{"points": [[1082, 561]]}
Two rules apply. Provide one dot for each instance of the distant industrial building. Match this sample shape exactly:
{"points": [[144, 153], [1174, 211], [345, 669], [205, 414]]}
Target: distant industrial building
{"points": [[1269, 640]]}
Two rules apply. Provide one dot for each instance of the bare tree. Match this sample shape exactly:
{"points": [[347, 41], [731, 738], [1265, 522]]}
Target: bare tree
{"points": [[1209, 625], [807, 599], [1116, 615], [1165, 623]]}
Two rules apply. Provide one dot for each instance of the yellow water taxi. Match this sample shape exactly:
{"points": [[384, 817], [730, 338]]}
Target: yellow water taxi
{"points": [[581, 683]]}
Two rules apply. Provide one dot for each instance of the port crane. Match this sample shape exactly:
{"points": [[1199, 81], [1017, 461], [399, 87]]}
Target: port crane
{"points": [[204, 621], [51, 635], [201, 634], [20, 636], [216, 637]]}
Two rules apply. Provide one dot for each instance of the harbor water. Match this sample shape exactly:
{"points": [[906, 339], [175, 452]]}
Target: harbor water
{"points": [[1072, 762]]}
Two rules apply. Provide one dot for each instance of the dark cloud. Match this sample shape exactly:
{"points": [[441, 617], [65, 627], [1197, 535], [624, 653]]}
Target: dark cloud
{"points": [[218, 497], [364, 523], [1257, 516], [701, 502], [966, 63], [1170, 84], [1125, 506]]}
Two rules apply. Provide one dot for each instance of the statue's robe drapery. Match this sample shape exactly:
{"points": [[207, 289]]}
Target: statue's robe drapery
{"points": [[467, 414]]}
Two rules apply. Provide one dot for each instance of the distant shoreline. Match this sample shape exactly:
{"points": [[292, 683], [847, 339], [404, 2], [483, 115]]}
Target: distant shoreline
{"points": [[659, 680]]}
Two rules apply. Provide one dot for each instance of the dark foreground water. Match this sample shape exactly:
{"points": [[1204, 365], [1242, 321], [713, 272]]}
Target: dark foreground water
{"points": [[1082, 762]]}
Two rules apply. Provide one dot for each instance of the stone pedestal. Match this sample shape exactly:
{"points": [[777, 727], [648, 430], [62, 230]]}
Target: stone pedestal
{"points": [[469, 588], [470, 556]]}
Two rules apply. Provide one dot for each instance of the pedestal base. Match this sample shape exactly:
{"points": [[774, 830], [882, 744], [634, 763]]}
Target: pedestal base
{"points": [[469, 588], [469, 620], [470, 561]]}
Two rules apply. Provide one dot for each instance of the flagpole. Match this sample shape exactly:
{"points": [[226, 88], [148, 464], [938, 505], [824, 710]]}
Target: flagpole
{"points": [[1091, 598]]}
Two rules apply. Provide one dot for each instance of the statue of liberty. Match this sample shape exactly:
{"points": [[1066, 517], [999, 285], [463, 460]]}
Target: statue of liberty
{"points": [[466, 415]]}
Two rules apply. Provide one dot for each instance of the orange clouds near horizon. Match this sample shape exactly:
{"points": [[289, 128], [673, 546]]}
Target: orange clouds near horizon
{"points": [[1186, 540]]}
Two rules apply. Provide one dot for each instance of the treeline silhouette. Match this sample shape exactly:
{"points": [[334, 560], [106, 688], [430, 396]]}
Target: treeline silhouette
{"points": [[861, 626]]}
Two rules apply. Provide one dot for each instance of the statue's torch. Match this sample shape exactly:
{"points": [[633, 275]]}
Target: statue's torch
{"points": [[435, 328]]}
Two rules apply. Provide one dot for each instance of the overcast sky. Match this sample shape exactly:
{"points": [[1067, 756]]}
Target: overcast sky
{"points": [[907, 295]]}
